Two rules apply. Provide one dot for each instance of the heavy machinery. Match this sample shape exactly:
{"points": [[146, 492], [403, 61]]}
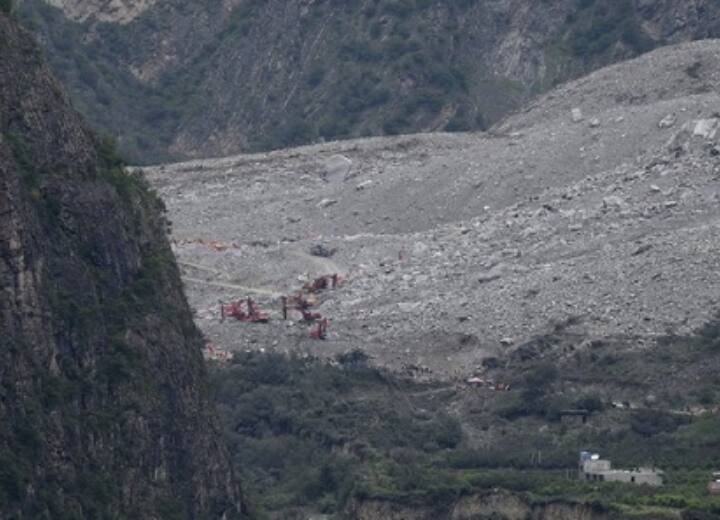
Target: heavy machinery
{"points": [[319, 332], [243, 310], [322, 283], [301, 304]]}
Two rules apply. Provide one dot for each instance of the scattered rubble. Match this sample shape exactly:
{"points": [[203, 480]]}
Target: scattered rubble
{"points": [[464, 235]]}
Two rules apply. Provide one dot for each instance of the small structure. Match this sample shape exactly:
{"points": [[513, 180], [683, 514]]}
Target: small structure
{"points": [[714, 485], [595, 469]]}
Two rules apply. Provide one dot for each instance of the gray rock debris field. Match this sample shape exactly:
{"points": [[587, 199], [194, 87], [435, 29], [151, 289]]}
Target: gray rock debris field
{"points": [[459, 247]]}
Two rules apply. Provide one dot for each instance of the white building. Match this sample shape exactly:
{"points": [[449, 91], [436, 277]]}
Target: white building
{"points": [[595, 469]]}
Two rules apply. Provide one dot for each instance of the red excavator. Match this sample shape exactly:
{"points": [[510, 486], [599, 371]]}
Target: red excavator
{"points": [[301, 304], [320, 330], [243, 310], [322, 283]]}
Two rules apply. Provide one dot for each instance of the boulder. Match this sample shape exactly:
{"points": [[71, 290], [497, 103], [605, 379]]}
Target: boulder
{"points": [[322, 251], [325, 203], [337, 167], [364, 185], [667, 122], [706, 128], [614, 202]]}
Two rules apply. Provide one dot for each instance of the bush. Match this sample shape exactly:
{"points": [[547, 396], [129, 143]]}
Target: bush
{"points": [[652, 422], [315, 76], [709, 335], [600, 25], [6, 6], [590, 402], [448, 432]]}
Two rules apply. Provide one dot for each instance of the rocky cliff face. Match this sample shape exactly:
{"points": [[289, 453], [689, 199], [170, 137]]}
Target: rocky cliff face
{"points": [[103, 404], [173, 78]]}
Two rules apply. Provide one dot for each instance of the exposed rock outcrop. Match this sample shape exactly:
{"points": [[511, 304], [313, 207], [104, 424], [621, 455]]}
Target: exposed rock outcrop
{"points": [[103, 400]]}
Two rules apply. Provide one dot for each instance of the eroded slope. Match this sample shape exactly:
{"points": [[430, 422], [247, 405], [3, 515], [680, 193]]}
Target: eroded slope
{"points": [[462, 247]]}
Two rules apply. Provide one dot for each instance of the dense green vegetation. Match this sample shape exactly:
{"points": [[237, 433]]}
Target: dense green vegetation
{"points": [[391, 69], [142, 117], [302, 431], [380, 67], [6, 6], [598, 25], [364, 80], [305, 433], [120, 380]]}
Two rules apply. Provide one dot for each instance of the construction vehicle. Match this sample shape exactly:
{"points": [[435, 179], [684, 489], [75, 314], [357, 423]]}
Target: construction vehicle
{"points": [[310, 317], [319, 332], [246, 311], [301, 304], [322, 283]]}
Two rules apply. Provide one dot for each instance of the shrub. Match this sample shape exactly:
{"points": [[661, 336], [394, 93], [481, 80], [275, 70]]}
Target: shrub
{"points": [[709, 335], [590, 402], [315, 76], [652, 422], [600, 25]]}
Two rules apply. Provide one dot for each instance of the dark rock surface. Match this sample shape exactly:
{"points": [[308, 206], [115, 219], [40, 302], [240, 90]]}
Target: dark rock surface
{"points": [[103, 400]]}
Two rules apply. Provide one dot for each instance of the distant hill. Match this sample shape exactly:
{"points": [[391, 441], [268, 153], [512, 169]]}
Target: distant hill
{"points": [[175, 79]]}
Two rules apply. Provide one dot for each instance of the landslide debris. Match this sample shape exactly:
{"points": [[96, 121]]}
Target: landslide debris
{"points": [[608, 223]]}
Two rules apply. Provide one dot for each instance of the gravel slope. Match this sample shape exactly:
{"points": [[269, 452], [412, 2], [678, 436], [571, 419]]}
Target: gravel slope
{"points": [[458, 247]]}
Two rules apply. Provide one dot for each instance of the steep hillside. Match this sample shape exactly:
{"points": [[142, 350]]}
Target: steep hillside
{"points": [[178, 79], [563, 261], [103, 398], [488, 237]]}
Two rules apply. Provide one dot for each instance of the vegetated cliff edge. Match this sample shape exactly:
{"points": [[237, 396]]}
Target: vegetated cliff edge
{"points": [[496, 503], [103, 401], [178, 79]]}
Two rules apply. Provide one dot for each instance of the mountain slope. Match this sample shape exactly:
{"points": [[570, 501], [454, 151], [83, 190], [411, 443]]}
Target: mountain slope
{"points": [[103, 400], [178, 79], [460, 246], [565, 261]]}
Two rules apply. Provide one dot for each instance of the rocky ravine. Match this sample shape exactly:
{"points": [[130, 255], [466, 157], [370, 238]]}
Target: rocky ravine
{"points": [[104, 411], [461, 247]]}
